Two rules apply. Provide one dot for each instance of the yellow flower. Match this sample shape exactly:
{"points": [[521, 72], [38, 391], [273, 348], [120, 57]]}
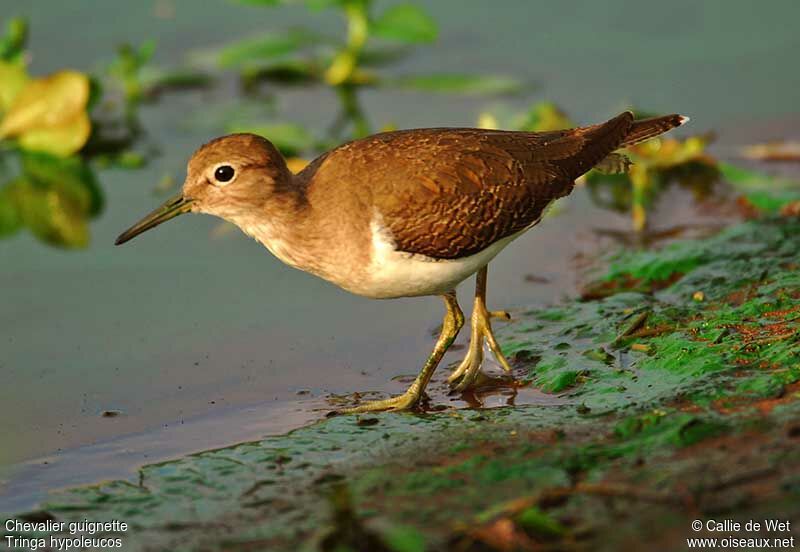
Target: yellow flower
{"points": [[49, 114]]}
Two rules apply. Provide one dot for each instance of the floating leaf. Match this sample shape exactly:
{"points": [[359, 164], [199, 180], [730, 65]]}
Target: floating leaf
{"points": [[458, 83], [254, 51], [406, 23], [13, 79], [290, 139]]}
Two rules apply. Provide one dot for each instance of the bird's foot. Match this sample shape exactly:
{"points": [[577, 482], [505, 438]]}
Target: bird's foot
{"points": [[406, 401], [468, 374]]}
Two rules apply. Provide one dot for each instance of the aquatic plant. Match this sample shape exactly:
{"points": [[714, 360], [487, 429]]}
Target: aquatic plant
{"points": [[54, 129], [361, 59]]}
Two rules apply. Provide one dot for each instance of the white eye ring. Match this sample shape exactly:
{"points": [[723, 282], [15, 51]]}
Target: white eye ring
{"points": [[223, 174]]}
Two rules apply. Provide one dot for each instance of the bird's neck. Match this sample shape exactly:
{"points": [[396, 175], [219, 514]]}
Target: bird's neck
{"points": [[284, 222]]}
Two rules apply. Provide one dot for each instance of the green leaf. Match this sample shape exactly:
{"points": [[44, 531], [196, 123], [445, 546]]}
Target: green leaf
{"points": [[538, 523], [406, 23], [12, 44], [404, 539], [146, 51], [289, 138], [746, 179], [257, 50], [458, 84]]}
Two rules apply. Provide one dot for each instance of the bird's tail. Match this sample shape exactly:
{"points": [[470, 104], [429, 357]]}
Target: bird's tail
{"points": [[644, 129]]}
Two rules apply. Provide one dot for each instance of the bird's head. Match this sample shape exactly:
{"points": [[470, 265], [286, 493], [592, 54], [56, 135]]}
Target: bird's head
{"points": [[227, 177]]}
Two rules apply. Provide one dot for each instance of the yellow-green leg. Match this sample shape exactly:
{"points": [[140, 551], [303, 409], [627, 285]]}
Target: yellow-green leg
{"points": [[469, 371], [453, 321]]}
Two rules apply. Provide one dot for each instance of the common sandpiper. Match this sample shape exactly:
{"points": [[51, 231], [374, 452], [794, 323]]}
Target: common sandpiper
{"points": [[403, 213]]}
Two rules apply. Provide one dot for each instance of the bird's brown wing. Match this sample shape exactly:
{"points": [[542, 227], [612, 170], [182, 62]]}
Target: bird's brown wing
{"points": [[450, 193]]}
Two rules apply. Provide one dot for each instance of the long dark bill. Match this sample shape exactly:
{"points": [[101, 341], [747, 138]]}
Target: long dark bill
{"points": [[174, 206]]}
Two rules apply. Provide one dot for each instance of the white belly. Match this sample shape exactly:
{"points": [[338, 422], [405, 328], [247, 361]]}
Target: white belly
{"points": [[394, 273]]}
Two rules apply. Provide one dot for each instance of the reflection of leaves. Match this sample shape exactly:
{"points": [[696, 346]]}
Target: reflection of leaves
{"points": [[458, 83], [610, 191], [71, 175], [52, 215], [293, 71], [649, 177], [10, 219], [406, 23], [53, 197]]}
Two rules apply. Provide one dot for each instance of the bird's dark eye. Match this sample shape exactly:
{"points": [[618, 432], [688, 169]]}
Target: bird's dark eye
{"points": [[224, 173]]}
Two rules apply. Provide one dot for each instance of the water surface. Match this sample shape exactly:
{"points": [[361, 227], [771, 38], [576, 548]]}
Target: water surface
{"points": [[200, 338]]}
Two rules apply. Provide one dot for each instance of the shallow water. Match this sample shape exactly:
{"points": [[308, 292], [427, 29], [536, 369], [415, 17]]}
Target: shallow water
{"points": [[200, 338]]}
